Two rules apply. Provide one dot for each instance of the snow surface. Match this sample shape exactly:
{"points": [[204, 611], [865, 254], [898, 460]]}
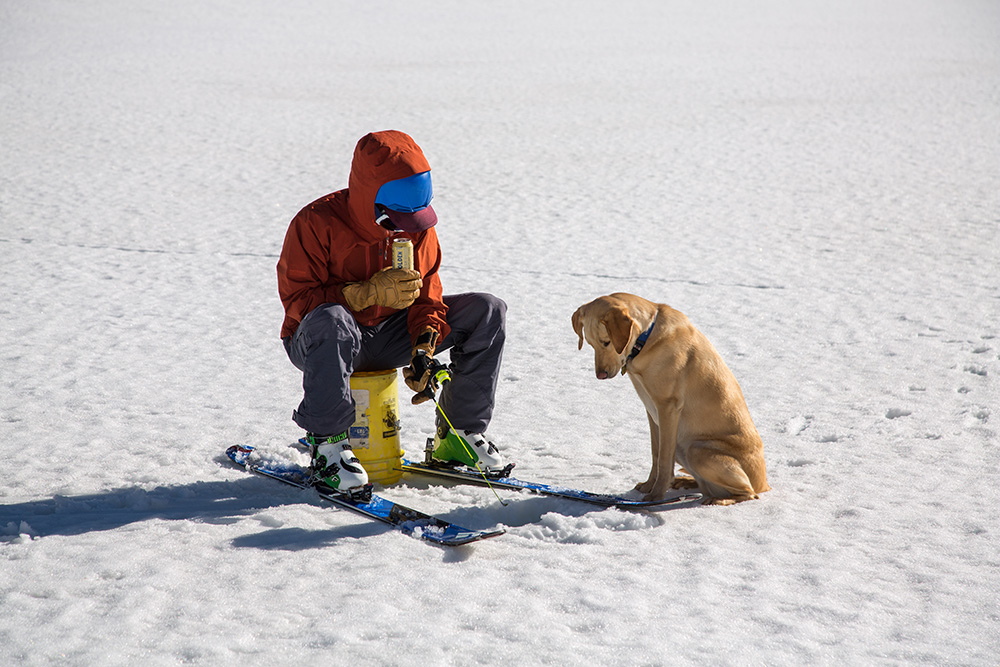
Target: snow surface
{"points": [[816, 184]]}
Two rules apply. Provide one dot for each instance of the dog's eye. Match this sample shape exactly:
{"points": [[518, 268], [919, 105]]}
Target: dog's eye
{"points": [[606, 344]]}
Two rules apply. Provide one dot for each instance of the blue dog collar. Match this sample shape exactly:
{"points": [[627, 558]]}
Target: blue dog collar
{"points": [[639, 343]]}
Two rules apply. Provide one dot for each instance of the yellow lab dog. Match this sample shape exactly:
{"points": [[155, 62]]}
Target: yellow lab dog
{"points": [[697, 414]]}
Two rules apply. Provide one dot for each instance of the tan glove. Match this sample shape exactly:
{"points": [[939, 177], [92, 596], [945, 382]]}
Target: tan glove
{"points": [[392, 288], [418, 373]]}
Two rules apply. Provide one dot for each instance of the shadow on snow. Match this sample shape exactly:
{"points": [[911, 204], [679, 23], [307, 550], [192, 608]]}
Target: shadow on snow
{"points": [[228, 502]]}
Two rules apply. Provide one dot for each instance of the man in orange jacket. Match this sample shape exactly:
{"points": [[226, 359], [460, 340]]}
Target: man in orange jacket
{"points": [[347, 309]]}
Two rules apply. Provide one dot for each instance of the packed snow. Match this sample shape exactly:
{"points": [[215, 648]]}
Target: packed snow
{"points": [[815, 184]]}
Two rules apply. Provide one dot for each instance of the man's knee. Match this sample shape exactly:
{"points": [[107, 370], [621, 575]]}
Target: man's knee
{"points": [[488, 310], [330, 322], [495, 310]]}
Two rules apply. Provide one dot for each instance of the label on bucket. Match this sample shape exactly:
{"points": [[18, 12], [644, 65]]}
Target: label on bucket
{"points": [[390, 421], [358, 434]]}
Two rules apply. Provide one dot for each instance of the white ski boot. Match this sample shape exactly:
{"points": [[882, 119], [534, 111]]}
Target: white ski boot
{"points": [[334, 463]]}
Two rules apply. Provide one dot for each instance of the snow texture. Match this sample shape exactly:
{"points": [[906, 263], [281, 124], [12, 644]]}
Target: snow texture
{"points": [[815, 184]]}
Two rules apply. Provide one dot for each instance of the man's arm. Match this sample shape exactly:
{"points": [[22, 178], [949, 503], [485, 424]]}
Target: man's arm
{"points": [[303, 273]]}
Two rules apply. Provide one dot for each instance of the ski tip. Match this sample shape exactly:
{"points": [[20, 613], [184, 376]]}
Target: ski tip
{"points": [[463, 538], [239, 453]]}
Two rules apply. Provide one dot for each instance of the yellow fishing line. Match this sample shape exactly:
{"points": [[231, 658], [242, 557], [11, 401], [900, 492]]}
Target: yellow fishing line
{"points": [[475, 459]]}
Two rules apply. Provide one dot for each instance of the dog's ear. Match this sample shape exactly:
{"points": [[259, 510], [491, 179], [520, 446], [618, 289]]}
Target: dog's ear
{"points": [[620, 325], [578, 325]]}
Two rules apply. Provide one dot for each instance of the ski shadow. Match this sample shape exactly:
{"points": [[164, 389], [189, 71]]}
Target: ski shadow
{"points": [[221, 503], [210, 502], [301, 539]]}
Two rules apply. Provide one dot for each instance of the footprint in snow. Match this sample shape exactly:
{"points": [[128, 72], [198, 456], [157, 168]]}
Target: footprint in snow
{"points": [[798, 424]]}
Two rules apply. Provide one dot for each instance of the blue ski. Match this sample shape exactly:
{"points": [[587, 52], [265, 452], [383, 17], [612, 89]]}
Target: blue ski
{"points": [[430, 528], [504, 481]]}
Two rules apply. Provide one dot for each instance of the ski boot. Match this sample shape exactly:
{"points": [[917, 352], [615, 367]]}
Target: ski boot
{"points": [[335, 466], [463, 447]]}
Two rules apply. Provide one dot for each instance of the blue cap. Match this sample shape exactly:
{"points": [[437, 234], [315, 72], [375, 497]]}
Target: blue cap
{"points": [[407, 195]]}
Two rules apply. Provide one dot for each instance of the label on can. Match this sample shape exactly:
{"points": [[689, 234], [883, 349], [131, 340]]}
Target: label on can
{"points": [[402, 254]]}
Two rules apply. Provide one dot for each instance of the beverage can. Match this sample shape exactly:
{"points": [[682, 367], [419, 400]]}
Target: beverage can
{"points": [[402, 254]]}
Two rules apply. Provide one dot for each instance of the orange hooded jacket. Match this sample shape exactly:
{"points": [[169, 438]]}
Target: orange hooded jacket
{"points": [[335, 240]]}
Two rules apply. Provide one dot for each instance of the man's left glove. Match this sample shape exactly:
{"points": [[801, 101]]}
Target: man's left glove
{"points": [[419, 372], [392, 288]]}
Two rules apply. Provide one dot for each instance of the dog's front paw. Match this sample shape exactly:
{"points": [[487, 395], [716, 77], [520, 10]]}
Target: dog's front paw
{"points": [[655, 492], [644, 487]]}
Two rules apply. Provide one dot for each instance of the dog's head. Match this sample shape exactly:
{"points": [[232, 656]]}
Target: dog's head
{"points": [[608, 327]]}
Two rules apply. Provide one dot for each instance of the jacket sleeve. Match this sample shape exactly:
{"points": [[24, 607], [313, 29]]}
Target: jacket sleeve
{"points": [[304, 281], [429, 308]]}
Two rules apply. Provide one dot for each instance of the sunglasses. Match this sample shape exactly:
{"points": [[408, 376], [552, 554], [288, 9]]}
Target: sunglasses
{"points": [[382, 218]]}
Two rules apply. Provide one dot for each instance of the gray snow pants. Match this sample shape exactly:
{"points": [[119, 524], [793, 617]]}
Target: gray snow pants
{"points": [[329, 345]]}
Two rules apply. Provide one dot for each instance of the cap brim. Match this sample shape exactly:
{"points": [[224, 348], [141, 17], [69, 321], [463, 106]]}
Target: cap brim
{"points": [[417, 221]]}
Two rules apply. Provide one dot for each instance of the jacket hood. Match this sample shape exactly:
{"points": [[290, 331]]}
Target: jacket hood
{"points": [[379, 157]]}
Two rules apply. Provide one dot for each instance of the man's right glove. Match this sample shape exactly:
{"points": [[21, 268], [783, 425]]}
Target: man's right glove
{"points": [[392, 288], [420, 373], [425, 375]]}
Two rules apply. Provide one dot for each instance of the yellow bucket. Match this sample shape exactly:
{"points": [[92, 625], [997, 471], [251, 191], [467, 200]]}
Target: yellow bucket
{"points": [[375, 433]]}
